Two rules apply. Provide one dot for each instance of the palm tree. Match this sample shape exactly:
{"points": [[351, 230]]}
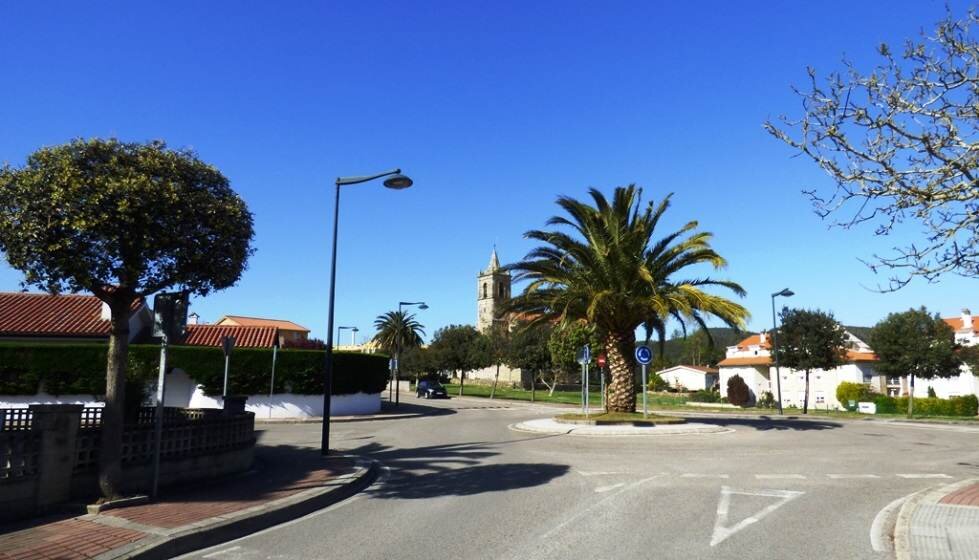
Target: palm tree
{"points": [[609, 271], [398, 330]]}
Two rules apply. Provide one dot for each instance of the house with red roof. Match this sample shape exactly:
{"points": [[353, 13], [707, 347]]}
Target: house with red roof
{"points": [[65, 318], [288, 332]]}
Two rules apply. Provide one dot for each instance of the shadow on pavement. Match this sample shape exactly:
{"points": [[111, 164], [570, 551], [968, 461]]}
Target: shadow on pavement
{"points": [[764, 423], [451, 470]]}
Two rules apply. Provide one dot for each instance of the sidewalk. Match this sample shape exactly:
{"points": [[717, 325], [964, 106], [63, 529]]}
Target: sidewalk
{"points": [[287, 483], [940, 524]]}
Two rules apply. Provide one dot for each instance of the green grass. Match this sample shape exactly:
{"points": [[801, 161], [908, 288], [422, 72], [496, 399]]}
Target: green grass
{"points": [[671, 401], [621, 417]]}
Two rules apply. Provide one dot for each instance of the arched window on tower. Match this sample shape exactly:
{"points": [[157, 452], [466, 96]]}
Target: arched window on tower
{"points": [[484, 290]]}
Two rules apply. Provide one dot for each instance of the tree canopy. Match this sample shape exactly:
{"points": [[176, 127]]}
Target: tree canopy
{"points": [[917, 343], [808, 340], [397, 331], [900, 143]]}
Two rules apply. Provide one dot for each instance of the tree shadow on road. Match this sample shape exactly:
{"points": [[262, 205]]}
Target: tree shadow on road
{"points": [[451, 470], [766, 423]]}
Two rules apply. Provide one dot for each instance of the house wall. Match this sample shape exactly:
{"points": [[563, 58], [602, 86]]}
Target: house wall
{"points": [[509, 377], [757, 379], [823, 384], [963, 384], [689, 379]]}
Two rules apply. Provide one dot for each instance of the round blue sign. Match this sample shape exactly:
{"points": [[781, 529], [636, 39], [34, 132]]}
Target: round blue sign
{"points": [[643, 355]]}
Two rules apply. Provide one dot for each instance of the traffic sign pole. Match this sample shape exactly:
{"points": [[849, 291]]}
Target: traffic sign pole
{"points": [[644, 356], [645, 408]]}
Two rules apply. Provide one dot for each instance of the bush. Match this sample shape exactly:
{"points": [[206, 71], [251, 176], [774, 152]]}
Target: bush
{"points": [[704, 397], [967, 405], [931, 392], [767, 400], [885, 404], [79, 369], [657, 383], [848, 391], [738, 393]]}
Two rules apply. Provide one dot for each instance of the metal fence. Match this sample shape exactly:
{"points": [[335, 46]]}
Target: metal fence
{"points": [[15, 419], [19, 454]]}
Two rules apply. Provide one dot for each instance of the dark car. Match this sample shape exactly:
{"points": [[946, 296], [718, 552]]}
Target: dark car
{"points": [[431, 390]]}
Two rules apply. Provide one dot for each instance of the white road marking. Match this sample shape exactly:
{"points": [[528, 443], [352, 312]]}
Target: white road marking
{"points": [[582, 512], [221, 552], [779, 476], [879, 531], [924, 475], [847, 476], [704, 475], [721, 529], [603, 489], [596, 473]]}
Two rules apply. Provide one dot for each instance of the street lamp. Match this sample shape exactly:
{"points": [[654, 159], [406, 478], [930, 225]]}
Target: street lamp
{"points": [[395, 180], [353, 334], [778, 375], [397, 355]]}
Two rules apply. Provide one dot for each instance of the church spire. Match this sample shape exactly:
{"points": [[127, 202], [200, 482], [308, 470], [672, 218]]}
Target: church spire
{"points": [[494, 263]]}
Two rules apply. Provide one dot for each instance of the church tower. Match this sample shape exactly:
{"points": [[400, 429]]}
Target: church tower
{"points": [[493, 289]]}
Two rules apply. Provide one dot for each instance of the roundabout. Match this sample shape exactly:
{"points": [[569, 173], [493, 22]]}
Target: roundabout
{"points": [[555, 427]]}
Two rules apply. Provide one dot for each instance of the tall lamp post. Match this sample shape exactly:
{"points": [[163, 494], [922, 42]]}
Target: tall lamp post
{"points": [[353, 334], [395, 180], [778, 375], [397, 354]]}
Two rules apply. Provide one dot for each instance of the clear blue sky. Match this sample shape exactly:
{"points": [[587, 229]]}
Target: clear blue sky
{"points": [[493, 108]]}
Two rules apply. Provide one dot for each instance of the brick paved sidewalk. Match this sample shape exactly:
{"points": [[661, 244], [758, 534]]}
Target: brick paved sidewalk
{"points": [[941, 524], [281, 478]]}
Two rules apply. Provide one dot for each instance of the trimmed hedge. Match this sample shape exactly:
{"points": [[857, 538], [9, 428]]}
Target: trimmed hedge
{"points": [[848, 391], [967, 405], [79, 369]]}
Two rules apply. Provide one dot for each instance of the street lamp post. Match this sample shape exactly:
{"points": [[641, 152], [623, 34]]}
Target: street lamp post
{"points": [[397, 354], [395, 180], [353, 333], [778, 375]]}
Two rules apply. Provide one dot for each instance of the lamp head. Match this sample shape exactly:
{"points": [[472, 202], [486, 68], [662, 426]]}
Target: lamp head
{"points": [[784, 293], [423, 306], [398, 182]]}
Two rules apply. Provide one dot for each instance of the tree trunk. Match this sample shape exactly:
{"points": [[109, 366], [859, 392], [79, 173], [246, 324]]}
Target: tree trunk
{"points": [[533, 388], [110, 452], [805, 397], [496, 380], [462, 381], [622, 389], [911, 398]]}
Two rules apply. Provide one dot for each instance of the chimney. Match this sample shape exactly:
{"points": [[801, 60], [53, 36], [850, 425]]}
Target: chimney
{"points": [[193, 319], [966, 319], [761, 338], [106, 312]]}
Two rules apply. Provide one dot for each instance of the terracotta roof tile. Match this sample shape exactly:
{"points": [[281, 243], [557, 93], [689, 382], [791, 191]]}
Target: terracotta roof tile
{"points": [[746, 361], [245, 337], [23, 314], [755, 339], [956, 324], [260, 322]]}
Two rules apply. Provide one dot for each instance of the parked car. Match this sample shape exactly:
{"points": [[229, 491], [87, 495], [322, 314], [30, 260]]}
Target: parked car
{"points": [[430, 390]]}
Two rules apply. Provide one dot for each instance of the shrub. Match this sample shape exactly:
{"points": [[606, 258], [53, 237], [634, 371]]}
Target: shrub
{"points": [[79, 369], [657, 383], [704, 397], [955, 406], [767, 400], [848, 391], [931, 392], [738, 393], [885, 404]]}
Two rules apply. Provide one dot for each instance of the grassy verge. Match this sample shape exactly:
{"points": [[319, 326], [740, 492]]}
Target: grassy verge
{"points": [[675, 402], [621, 417]]}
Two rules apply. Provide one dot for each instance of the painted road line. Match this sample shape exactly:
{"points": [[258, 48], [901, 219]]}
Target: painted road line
{"points": [[603, 489], [780, 476], [222, 552], [704, 475], [847, 476], [722, 530], [924, 475]]}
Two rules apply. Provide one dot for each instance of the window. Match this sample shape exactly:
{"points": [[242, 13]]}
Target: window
{"points": [[484, 290]]}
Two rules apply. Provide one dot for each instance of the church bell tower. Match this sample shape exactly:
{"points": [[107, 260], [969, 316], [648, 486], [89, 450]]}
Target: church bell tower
{"points": [[493, 290]]}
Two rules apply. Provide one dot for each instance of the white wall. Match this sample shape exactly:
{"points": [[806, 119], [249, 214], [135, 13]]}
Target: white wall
{"points": [[183, 392], [963, 384], [755, 378], [687, 378]]}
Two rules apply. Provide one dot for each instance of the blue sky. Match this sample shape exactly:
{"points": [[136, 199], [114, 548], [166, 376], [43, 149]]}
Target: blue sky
{"points": [[493, 108]]}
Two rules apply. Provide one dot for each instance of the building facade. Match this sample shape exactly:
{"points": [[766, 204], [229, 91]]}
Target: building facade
{"points": [[492, 292]]}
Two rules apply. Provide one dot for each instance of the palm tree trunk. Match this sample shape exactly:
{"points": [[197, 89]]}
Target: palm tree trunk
{"points": [[462, 381], [110, 452], [622, 388]]}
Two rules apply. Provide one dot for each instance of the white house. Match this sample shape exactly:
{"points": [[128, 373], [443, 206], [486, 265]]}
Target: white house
{"points": [[690, 378], [966, 329], [752, 360]]}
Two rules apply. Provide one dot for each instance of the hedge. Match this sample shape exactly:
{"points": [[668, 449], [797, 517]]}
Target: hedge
{"points": [[79, 369], [967, 405], [848, 391]]}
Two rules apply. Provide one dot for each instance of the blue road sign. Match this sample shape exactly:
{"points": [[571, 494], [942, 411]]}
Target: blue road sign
{"points": [[643, 355], [584, 355]]}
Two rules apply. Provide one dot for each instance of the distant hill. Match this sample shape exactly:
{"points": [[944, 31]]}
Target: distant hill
{"points": [[723, 337]]}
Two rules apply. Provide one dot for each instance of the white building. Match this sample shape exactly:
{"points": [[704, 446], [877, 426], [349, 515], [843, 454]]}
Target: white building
{"points": [[966, 329], [752, 360], [690, 378]]}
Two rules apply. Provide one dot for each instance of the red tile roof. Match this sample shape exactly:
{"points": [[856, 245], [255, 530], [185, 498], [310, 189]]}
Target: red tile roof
{"points": [[48, 315], [755, 339], [259, 322], [245, 337], [746, 361], [957, 324]]}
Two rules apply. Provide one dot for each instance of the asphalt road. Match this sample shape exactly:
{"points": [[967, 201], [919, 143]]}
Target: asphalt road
{"points": [[457, 483]]}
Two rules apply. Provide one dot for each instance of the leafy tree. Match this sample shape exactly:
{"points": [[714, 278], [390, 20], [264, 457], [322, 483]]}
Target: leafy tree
{"points": [[494, 347], [417, 362], [808, 340], [529, 350], [456, 348], [121, 221], [567, 340], [701, 349], [915, 344], [899, 142], [738, 393], [610, 271], [396, 331]]}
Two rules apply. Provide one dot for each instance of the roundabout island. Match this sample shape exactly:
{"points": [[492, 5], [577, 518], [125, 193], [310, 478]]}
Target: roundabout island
{"points": [[616, 424]]}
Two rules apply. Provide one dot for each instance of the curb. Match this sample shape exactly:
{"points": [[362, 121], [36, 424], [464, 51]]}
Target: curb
{"points": [[902, 526], [232, 526], [336, 419]]}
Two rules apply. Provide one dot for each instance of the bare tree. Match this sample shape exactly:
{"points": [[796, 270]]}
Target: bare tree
{"points": [[901, 145]]}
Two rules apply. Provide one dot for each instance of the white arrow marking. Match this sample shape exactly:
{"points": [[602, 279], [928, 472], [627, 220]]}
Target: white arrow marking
{"points": [[602, 489], [924, 475], [721, 529]]}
